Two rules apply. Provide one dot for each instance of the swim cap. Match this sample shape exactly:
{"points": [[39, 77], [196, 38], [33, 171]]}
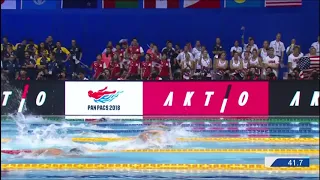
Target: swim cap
{"points": [[75, 151]]}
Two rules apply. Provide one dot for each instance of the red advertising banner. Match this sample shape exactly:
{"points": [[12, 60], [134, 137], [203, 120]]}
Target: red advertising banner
{"points": [[205, 99]]}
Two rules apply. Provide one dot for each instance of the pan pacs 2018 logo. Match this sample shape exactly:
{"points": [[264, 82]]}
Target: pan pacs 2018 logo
{"points": [[103, 98]]}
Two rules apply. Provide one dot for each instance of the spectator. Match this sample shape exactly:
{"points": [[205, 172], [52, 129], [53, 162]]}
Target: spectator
{"points": [[198, 58], [206, 65], [290, 48], [135, 48], [317, 46], [32, 48], [41, 49], [23, 75], [222, 64], [176, 67], [235, 48], [271, 62], [107, 56], [196, 51], [109, 45], [182, 56], [168, 47], [251, 44], [134, 68], [150, 50], [119, 52], [264, 50], [62, 55], [62, 76], [246, 60], [97, 66], [155, 55], [115, 67], [20, 50], [5, 43], [81, 76], [255, 62], [42, 62], [278, 47], [29, 65], [217, 49], [76, 56], [236, 63], [187, 65], [170, 51], [178, 49], [165, 68], [248, 49], [50, 46], [270, 75], [146, 68], [53, 67], [10, 63], [294, 58]]}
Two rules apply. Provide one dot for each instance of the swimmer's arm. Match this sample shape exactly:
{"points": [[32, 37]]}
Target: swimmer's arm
{"points": [[103, 89]]}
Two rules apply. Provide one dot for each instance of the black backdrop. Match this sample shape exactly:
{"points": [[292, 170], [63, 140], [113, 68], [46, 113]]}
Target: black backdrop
{"points": [[54, 103]]}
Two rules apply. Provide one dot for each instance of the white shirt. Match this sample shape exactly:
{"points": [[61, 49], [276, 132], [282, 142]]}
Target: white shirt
{"points": [[196, 53], [269, 60], [316, 45], [105, 50], [293, 60], [252, 48], [237, 49], [289, 49], [242, 55], [263, 53], [182, 56], [278, 47], [85, 79]]}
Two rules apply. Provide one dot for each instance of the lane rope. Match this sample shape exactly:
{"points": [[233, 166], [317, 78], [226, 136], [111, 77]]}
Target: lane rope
{"points": [[250, 167], [314, 141], [313, 152]]}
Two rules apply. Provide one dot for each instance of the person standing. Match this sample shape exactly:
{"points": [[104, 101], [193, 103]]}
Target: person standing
{"points": [[278, 48], [317, 46], [76, 56]]}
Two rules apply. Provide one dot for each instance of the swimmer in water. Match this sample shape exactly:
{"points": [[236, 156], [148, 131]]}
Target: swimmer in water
{"points": [[72, 153], [154, 131]]}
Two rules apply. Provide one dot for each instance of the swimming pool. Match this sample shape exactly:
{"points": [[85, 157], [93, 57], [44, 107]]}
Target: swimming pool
{"points": [[198, 149]]}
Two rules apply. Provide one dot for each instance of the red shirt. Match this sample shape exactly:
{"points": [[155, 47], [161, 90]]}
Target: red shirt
{"points": [[97, 67], [155, 57], [115, 69], [20, 78], [135, 50], [133, 67], [146, 69], [165, 66], [120, 53]]}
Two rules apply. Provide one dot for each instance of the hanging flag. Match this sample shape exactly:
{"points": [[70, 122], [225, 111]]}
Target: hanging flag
{"points": [[160, 3], [307, 65], [79, 4], [120, 3], [243, 3], [201, 4], [282, 3], [39, 4], [8, 4]]}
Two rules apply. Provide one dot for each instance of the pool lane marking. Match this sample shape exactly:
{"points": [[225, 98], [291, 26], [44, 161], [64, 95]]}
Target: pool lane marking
{"points": [[229, 167], [222, 139]]}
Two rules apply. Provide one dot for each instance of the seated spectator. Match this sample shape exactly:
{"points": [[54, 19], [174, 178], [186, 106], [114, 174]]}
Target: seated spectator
{"points": [[107, 56], [150, 50], [62, 76], [294, 74], [20, 51], [155, 76], [271, 61], [32, 48], [198, 58], [187, 65], [182, 56], [82, 76], [290, 48], [5, 43], [221, 65], [196, 51], [10, 63], [251, 44], [206, 65], [263, 52], [97, 66], [49, 44], [177, 48], [235, 48], [146, 68], [29, 65], [134, 69], [115, 67], [135, 48], [176, 67], [246, 60], [316, 45], [256, 62], [236, 63], [109, 45], [41, 48], [155, 55], [294, 58], [270, 75], [42, 62], [23, 75], [253, 74], [119, 52], [248, 49], [165, 68]]}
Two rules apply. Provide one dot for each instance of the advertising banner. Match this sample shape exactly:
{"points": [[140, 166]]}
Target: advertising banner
{"points": [[294, 98], [103, 99], [32, 97], [205, 99]]}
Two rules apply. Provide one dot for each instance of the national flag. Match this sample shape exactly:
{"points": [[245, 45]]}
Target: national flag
{"points": [[8, 4], [307, 64], [160, 3], [120, 3], [201, 4], [282, 3], [39, 4], [243, 3], [79, 4]]}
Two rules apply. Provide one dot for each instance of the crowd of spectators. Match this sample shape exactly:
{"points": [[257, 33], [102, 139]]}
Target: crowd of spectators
{"points": [[128, 61]]}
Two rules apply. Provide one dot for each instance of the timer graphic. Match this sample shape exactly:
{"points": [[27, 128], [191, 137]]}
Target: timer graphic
{"points": [[286, 161]]}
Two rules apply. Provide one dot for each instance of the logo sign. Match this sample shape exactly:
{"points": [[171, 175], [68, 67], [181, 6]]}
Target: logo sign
{"points": [[103, 98], [205, 98], [294, 98], [41, 97], [39, 2]]}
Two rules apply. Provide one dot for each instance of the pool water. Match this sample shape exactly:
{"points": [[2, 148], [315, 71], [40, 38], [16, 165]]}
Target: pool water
{"points": [[34, 133]]}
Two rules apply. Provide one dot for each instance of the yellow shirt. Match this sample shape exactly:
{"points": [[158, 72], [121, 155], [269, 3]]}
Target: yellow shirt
{"points": [[63, 49], [39, 61]]}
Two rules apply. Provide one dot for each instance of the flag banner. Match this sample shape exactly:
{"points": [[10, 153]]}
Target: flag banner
{"points": [[39, 4], [201, 4], [120, 3], [161, 4], [283, 3], [79, 4], [243, 3], [8, 4], [307, 65]]}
